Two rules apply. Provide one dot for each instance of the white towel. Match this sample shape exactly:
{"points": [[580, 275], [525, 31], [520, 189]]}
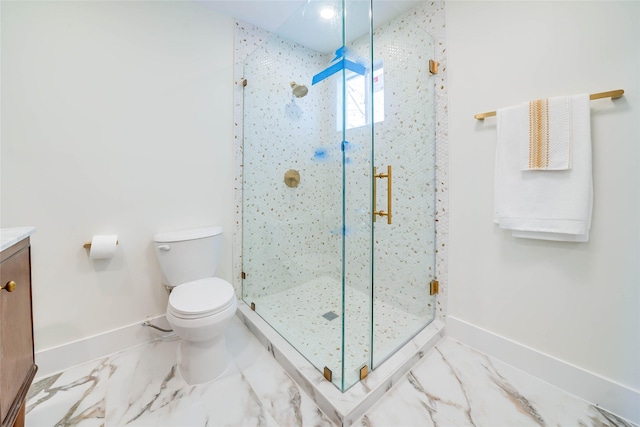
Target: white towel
{"points": [[544, 204]]}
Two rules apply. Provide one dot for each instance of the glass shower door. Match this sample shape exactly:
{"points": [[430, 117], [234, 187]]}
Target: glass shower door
{"points": [[404, 235], [389, 208]]}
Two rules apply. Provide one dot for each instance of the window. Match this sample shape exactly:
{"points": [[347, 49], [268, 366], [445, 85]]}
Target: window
{"points": [[358, 99]]}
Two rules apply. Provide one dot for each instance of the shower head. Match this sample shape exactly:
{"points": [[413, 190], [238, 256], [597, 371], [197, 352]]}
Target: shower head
{"points": [[298, 90]]}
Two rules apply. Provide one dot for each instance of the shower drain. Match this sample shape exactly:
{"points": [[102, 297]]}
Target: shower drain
{"points": [[330, 315]]}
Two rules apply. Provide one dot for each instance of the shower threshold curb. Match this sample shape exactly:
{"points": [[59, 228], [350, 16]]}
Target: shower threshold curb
{"points": [[342, 408]]}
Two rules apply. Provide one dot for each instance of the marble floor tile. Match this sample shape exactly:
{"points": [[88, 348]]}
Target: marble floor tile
{"points": [[452, 386], [455, 385], [142, 386], [73, 397]]}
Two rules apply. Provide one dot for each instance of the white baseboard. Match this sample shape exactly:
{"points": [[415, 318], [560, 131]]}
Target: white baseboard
{"points": [[55, 359], [607, 394]]}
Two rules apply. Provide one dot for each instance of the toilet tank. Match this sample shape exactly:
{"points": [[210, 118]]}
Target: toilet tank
{"points": [[188, 255]]}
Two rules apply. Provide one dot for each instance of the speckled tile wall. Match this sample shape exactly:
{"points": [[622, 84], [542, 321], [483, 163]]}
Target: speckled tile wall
{"points": [[293, 232]]}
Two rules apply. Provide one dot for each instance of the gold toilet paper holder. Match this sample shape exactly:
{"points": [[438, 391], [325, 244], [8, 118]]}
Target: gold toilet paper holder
{"points": [[88, 244]]}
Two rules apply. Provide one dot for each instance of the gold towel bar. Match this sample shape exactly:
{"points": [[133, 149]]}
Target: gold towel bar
{"points": [[613, 94]]}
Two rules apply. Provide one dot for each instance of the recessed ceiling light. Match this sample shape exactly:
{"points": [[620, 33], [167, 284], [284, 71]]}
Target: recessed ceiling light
{"points": [[327, 12]]}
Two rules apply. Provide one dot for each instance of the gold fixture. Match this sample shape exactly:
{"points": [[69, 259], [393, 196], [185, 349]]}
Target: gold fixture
{"points": [[244, 275], [364, 371], [328, 374], [253, 306], [613, 94], [9, 287], [389, 197], [433, 66], [434, 287], [244, 82], [298, 90], [292, 178], [88, 244]]}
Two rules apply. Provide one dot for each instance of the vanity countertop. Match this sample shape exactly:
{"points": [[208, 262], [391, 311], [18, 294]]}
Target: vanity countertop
{"points": [[12, 235]]}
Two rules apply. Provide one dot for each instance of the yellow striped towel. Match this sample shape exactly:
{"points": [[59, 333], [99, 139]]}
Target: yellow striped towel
{"points": [[549, 144]]}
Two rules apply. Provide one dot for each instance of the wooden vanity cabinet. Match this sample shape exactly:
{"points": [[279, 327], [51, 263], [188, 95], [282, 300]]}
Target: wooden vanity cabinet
{"points": [[17, 367]]}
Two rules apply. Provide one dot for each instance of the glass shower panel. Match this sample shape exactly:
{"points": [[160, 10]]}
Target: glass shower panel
{"points": [[404, 255], [292, 204]]}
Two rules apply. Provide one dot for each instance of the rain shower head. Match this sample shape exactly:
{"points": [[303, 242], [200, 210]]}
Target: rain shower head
{"points": [[298, 90]]}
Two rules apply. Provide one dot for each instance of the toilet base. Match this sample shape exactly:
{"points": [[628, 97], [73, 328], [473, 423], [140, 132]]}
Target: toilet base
{"points": [[202, 354], [202, 361]]}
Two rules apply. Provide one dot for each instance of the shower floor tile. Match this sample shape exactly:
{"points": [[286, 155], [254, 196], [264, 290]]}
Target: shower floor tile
{"points": [[309, 317], [453, 385]]}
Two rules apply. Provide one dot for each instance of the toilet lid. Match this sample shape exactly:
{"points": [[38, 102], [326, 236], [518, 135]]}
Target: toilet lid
{"points": [[201, 298]]}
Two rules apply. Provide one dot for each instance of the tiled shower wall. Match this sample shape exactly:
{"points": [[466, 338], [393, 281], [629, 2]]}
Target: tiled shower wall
{"points": [[293, 231], [298, 133]]}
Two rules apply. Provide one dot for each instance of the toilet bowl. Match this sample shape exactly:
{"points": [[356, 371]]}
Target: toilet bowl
{"points": [[200, 305], [199, 313]]}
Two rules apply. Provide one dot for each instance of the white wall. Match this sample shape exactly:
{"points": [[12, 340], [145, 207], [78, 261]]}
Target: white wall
{"points": [[577, 302], [116, 118]]}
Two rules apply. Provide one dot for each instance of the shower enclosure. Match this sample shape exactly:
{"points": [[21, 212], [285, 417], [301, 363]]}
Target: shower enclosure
{"points": [[338, 191]]}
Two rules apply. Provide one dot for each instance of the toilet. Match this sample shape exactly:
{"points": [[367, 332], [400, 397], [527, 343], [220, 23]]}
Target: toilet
{"points": [[200, 305]]}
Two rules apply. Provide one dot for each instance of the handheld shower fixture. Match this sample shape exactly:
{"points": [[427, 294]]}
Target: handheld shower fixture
{"points": [[298, 90]]}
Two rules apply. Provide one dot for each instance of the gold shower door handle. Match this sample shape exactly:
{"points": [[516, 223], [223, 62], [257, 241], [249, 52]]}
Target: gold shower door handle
{"points": [[389, 185]]}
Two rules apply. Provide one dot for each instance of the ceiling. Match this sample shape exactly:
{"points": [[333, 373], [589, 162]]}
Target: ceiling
{"points": [[299, 21], [267, 14]]}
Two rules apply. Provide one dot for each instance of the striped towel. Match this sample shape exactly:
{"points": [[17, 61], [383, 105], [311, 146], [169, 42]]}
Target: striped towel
{"points": [[549, 144]]}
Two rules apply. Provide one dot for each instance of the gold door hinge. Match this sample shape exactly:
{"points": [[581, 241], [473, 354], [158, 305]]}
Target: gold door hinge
{"points": [[433, 66], [253, 306], [328, 374], [244, 275], [364, 371], [434, 287], [244, 82]]}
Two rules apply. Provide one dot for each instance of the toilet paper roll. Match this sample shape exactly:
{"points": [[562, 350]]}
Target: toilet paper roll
{"points": [[103, 246]]}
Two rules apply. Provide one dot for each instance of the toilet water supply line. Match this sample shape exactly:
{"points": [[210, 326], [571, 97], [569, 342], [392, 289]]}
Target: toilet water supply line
{"points": [[147, 323], [151, 325]]}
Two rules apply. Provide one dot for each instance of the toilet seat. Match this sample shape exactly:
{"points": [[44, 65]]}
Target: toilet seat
{"points": [[201, 298]]}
